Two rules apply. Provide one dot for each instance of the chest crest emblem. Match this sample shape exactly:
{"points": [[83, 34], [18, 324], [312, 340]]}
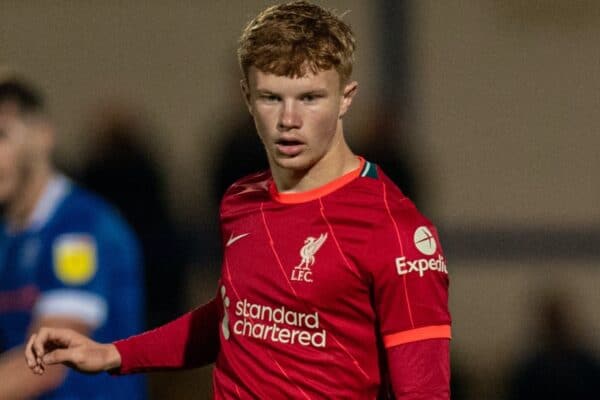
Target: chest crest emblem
{"points": [[302, 271]]}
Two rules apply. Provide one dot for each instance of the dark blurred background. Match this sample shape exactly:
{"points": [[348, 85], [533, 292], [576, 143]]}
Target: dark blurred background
{"points": [[484, 111]]}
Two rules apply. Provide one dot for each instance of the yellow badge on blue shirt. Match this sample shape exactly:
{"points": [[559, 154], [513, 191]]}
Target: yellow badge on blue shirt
{"points": [[74, 258]]}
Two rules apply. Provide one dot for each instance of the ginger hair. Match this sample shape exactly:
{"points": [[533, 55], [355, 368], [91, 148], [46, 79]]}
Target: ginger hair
{"points": [[295, 38]]}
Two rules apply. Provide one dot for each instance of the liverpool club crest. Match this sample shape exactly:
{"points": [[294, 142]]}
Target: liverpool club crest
{"points": [[302, 271]]}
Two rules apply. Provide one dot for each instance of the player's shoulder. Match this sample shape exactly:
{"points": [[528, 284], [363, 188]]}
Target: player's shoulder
{"points": [[81, 200], [85, 206], [87, 225], [84, 211], [257, 181], [245, 190], [371, 184], [374, 192]]}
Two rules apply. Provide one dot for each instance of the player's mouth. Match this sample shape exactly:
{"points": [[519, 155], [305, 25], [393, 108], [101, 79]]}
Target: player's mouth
{"points": [[289, 147]]}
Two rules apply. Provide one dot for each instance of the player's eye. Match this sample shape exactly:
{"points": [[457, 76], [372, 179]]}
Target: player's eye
{"points": [[310, 98], [269, 98]]}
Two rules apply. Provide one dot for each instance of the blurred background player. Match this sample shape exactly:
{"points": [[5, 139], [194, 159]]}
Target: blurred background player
{"points": [[66, 258]]}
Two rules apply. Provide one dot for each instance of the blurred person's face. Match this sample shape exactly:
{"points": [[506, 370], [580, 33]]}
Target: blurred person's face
{"points": [[23, 145], [299, 120]]}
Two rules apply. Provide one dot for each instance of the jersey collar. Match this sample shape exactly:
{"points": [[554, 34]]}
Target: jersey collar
{"points": [[56, 189], [302, 197]]}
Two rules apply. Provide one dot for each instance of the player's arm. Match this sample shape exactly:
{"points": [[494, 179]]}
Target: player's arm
{"points": [[420, 370], [410, 283], [17, 380], [189, 341]]}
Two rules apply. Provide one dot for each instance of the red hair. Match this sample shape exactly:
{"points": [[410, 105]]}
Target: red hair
{"points": [[294, 38]]}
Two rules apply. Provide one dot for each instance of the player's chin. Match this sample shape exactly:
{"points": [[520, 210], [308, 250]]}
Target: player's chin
{"points": [[296, 163]]}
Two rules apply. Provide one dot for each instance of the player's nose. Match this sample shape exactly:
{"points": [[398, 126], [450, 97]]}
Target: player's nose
{"points": [[289, 117]]}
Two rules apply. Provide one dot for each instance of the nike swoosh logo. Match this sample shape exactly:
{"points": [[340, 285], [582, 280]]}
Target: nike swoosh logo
{"points": [[234, 239]]}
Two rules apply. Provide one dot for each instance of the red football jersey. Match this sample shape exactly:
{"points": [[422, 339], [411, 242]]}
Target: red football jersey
{"points": [[316, 285]]}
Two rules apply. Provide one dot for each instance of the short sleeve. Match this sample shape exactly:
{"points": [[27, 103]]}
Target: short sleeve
{"points": [[409, 277], [75, 276]]}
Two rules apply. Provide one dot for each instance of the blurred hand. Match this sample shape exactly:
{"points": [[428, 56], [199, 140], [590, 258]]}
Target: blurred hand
{"points": [[64, 346]]}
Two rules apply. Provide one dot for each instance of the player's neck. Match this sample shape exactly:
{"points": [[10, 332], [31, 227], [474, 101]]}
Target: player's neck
{"points": [[332, 166], [22, 206]]}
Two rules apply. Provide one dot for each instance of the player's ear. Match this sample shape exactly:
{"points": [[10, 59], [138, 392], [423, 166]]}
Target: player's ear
{"points": [[246, 94], [348, 93]]}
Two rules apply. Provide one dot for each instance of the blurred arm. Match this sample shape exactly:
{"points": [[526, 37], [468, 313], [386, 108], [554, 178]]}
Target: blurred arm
{"points": [[420, 370], [17, 380]]}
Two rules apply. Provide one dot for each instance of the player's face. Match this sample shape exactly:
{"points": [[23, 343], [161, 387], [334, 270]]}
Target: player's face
{"points": [[15, 144], [299, 120]]}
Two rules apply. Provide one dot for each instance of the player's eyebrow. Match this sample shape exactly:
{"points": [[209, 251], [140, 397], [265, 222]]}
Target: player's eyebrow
{"points": [[314, 92], [310, 92], [266, 92]]}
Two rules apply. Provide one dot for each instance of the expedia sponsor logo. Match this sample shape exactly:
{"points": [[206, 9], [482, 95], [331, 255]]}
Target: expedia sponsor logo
{"points": [[426, 244], [278, 325], [424, 241], [421, 265]]}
